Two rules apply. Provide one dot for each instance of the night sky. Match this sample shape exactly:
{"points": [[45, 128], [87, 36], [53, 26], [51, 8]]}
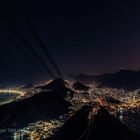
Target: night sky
{"points": [[90, 38]]}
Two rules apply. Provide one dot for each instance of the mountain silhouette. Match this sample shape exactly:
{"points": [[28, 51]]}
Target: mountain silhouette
{"points": [[42, 106], [126, 79], [57, 85], [80, 86], [102, 126]]}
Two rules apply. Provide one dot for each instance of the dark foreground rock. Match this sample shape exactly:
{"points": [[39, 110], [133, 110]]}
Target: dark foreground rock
{"points": [[42, 106], [104, 126]]}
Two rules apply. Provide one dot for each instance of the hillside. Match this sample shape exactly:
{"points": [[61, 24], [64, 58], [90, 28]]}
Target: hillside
{"points": [[104, 126], [126, 79]]}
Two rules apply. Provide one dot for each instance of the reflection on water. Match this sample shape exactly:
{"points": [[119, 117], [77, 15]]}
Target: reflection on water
{"points": [[7, 97], [4, 96]]}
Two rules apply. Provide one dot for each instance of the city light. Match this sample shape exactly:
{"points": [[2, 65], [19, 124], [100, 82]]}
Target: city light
{"points": [[11, 91]]}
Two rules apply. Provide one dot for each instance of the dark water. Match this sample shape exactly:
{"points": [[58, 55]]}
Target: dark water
{"points": [[5, 96]]}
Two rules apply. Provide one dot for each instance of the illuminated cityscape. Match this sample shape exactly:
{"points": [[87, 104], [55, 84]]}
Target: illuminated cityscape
{"points": [[125, 105]]}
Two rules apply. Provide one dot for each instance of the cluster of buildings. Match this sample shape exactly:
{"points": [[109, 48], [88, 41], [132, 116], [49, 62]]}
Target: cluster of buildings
{"points": [[125, 105], [38, 130]]}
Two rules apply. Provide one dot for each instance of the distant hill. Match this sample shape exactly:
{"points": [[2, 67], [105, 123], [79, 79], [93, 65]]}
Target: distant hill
{"points": [[126, 79], [54, 85], [80, 86], [58, 85], [26, 86], [104, 126]]}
